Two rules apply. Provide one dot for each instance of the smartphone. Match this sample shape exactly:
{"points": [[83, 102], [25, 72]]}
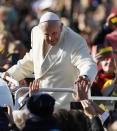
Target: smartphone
{"points": [[76, 105], [5, 109]]}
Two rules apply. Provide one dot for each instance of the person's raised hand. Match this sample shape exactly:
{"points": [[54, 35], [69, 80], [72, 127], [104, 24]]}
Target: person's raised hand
{"points": [[10, 84], [4, 75], [98, 57], [109, 24], [89, 110], [84, 79], [82, 86], [34, 87]]}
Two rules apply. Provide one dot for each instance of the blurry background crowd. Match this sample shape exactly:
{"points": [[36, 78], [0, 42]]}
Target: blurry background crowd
{"points": [[17, 17], [95, 20]]}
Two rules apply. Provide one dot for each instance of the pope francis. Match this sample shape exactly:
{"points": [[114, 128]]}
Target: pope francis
{"points": [[58, 58]]}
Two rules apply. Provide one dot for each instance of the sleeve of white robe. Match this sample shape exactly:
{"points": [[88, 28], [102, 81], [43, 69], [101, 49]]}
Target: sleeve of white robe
{"points": [[81, 58], [23, 68]]}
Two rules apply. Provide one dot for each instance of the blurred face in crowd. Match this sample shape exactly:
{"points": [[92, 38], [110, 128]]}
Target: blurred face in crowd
{"points": [[108, 65], [3, 15], [3, 41], [51, 31]]}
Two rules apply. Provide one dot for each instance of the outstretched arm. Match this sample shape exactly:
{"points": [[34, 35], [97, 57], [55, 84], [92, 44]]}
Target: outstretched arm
{"points": [[23, 68], [81, 59]]}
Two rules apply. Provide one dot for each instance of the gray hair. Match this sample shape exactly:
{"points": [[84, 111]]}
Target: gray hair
{"points": [[20, 117]]}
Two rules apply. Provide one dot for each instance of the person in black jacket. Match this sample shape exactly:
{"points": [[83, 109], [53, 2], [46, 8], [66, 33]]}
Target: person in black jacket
{"points": [[41, 106]]}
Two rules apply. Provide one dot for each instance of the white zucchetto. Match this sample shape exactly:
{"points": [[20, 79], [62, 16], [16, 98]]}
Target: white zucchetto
{"points": [[48, 16]]}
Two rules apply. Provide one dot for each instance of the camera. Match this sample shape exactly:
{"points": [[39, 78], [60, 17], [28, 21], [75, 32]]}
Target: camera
{"points": [[76, 105]]}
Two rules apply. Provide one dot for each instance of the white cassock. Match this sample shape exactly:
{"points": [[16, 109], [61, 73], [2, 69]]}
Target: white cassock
{"points": [[61, 65]]}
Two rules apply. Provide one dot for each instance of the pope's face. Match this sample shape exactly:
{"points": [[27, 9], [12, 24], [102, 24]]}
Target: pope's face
{"points": [[51, 31]]}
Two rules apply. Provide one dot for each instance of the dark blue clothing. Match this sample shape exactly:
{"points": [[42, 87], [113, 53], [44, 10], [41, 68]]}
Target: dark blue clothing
{"points": [[41, 124]]}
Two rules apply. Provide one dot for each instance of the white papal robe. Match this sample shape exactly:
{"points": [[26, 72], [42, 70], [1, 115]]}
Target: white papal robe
{"points": [[61, 65]]}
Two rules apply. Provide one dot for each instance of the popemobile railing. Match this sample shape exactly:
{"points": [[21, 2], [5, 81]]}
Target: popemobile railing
{"points": [[68, 90], [108, 101], [19, 90]]}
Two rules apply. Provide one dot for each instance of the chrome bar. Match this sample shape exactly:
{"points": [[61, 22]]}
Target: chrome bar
{"points": [[69, 90]]}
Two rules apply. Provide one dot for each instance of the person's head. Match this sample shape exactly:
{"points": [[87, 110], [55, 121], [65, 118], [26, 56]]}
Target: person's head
{"points": [[51, 27], [73, 120], [81, 120], [5, 38], [108, 62], [16, 47], [3, 14], [65, 120], [108, 65], [20, 117], [41, 104]]}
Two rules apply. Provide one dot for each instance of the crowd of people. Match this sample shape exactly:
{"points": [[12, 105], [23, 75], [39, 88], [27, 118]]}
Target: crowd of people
{"points": [[40, 114], [93, 20]]}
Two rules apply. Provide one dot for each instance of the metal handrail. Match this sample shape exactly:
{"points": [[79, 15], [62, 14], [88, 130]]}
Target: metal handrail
{"points": [[104, 98], [69, 90]]}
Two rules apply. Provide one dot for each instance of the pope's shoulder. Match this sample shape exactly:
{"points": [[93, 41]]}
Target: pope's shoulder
{"points": [[36, 29], [73, 36]]}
